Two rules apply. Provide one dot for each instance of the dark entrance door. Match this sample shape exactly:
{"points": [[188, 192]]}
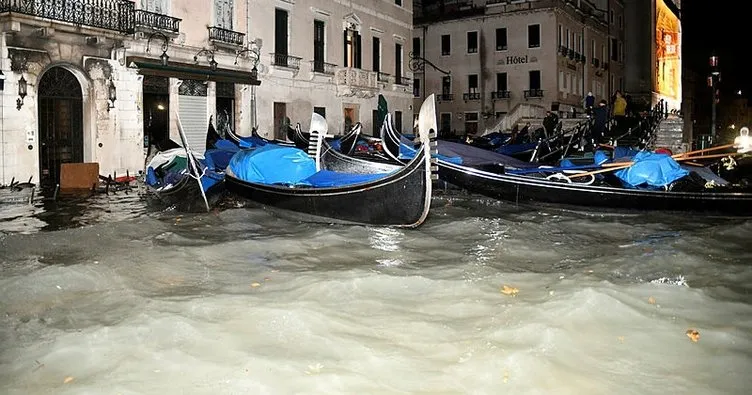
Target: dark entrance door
{"points": [[280, 120], [60, 118], [156, 112]]}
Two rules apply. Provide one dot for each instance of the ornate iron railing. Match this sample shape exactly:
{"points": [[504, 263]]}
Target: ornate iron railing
{"points": [[533, 93], [401, 80], [226, 36], [115, 15], [501, 95], [446, 97], [383, 77], [471, 96], [285, 60], [319, 66], [156, 21]]}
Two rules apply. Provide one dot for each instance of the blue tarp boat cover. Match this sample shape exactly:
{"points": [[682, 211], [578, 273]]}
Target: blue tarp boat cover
{"points": [[649, 168], [336, 144], [327, 179], [273, 164], [624, 152]]}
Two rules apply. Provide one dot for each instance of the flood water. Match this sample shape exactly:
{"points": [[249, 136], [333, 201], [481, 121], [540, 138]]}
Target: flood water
{"points": [[105, 296]]}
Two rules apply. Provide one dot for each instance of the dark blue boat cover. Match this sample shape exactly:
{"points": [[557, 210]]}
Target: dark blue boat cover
{"points": [[511, 149], [649, 168], [273, 164], [327, 179], [474, 156]]}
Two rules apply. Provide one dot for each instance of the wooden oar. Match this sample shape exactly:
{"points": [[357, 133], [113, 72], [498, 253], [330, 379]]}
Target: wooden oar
{"points": [[623, 165], [708, 156], [703, 150]]}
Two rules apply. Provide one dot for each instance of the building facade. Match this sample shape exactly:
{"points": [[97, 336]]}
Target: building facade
{"points": [[492, 57], [105, 80]]}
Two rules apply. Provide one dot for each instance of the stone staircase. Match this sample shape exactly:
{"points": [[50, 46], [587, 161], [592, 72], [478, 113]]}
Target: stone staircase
{"points": [[670, 134], [535, 123]]}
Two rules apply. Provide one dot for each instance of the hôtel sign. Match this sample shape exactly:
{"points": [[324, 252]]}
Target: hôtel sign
{"points": [[511, 60]]}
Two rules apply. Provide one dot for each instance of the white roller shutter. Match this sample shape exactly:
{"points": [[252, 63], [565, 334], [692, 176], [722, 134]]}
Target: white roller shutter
{"points": [[195, 120]]}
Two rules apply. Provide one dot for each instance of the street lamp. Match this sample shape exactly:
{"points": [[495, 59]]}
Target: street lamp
{"points": [[21, 93], [210, 55], [165, 44], [713, 79]]}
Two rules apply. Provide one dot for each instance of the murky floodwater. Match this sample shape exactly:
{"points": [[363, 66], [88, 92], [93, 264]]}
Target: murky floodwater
{"points": [[123, 300]]}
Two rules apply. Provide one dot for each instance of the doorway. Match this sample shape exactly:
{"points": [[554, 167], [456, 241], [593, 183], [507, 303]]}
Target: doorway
{"points": [[156, 91], [280, 120], [60, 115]]}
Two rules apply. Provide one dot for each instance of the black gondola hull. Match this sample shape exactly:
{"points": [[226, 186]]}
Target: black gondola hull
{"points": [[399, 199], [521, 189], [185, 196]]}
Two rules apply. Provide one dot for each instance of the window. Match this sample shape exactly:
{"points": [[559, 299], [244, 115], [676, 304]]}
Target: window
{"points": [[416, 87], [320, 110], [416, 46], [535, 79], [614, 49], [471, 123], [603, 53], [280, 37], [621, 21], [446, 44], [446, 85], [533, 36], [376, 54], [611, 16], [222, 12], [446, 123], [318, 46], [398, 120], [561, 35], [568, 40], [501, 39], [501, 82], [472, 83], [592, 49], [398, 2], [472, 42], [352, 48], [398, 63]]}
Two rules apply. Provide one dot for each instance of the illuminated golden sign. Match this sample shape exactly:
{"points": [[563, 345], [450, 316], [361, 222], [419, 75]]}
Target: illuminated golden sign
{"points": [[667, 52]]}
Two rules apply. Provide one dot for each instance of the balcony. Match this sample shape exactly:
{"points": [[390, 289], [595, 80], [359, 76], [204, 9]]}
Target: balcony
{"points": [[563, 50], [471, 96], [533, 93], [605, 65], [595, 62], [151, 21], [319, 66], [401, 80], [285, 60], [570, 53], [220, 35], [383, 77], [501, 95], [446, 97], [583, 59], [117, 15], [356, 79]]}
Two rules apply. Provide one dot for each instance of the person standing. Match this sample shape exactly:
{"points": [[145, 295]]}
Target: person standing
{"points": [[589, 103], [600, 121], [620, 109]]}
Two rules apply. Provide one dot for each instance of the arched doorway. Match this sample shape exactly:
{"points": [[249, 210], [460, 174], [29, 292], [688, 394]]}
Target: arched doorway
{"points": [[60, 123]]}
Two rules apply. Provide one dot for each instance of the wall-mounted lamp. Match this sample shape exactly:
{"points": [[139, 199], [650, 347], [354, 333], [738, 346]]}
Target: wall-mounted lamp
{"points": [[209, 55], [21, 93], [111, 95], [255, 56], [165, 44]]}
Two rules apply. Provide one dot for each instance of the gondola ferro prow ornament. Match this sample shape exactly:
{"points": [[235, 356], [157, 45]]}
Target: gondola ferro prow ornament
{"points": [[427, 127]]}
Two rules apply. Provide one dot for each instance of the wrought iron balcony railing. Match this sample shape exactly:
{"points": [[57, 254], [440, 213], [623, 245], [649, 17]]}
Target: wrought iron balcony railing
{"points": [[319, 66], [533, 93], [471, 96], [563, 50], [401, 80], [285, 60], [383, 77], [356, 78], [595, 62], [152, 20], [446, 97], [605, 65], [501, 95], [115, 15], [226, 36], [570, 53]]}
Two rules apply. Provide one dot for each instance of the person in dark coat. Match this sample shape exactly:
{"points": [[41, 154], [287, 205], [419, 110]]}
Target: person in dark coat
{"points": [[600, 121], [589, 103], [550, 122]]}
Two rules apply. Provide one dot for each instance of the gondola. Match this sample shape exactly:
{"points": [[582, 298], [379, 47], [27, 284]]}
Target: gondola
{"points": [[398, 198], [492, 175], [344, 144], [187, 181]]}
